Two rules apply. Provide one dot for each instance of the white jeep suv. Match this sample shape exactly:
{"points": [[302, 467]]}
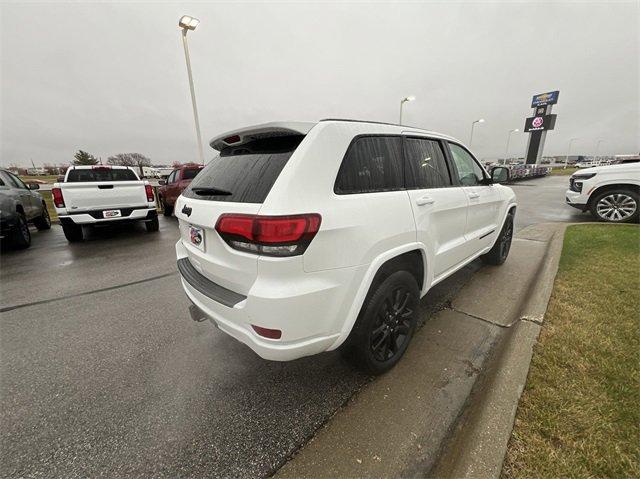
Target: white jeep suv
{"points": [[611, 193], [299, 238]]}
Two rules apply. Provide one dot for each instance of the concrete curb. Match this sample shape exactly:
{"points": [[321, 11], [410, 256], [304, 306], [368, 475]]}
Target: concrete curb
{"points": [[478, 444], [440, 398]]}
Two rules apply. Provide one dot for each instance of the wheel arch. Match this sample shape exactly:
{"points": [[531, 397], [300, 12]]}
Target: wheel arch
{"points": [[611, 186], [411, 257]]}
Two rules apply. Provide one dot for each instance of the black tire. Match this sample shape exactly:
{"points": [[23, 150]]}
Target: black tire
{"points": [[500, 251], [153, 225], [618, 205], [43, 222], [166, 209], [385, 325], [73, 232], [20, 235]]}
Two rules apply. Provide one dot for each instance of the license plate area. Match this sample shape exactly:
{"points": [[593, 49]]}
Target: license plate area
{"points": [[112, 214], [196, 237]]}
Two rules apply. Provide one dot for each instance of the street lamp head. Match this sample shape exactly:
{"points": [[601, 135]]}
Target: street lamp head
{"points": [[188, 23], [481, 120], [408, 98]]}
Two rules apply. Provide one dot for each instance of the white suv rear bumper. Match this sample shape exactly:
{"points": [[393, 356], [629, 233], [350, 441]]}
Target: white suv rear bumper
{"points": [[311, 321]]}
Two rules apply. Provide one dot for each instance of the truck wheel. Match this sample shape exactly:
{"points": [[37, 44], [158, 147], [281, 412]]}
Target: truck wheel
{"points": [[153, 225], [385, 324], [498, 254], [21, 236], [43, 222], [166, 209], [616, 206], [72, 232]]}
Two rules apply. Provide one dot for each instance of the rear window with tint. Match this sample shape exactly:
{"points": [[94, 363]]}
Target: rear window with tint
{"points": [[106, 174], [372, 163], [247, 171], [190, 174]]}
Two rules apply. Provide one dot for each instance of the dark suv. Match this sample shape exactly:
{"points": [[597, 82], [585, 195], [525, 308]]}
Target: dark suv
{"points": [[19, 206]]}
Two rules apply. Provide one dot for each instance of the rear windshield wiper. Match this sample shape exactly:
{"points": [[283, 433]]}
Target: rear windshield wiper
{"points": [[210, 191]]}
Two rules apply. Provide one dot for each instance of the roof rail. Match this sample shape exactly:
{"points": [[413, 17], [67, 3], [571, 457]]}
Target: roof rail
{"points": [[375, 122]]}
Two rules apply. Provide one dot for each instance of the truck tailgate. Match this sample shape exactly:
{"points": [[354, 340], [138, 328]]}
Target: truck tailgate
{"points": [[103, 195]]}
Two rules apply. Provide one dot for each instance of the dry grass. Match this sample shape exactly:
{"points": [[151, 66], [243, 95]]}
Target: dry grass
{"points": [[48, 199], [579, 415], [563, 171], [47, 178]]}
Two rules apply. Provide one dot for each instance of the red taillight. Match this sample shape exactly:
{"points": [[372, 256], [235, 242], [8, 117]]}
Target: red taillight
{"points": [[149, 190], [269, 235], [232, 139], [267, 333], [58, 200]]}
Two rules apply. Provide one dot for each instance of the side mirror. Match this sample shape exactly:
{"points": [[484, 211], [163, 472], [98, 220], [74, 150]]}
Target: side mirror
{"points": [[162, 182], [33, 186], [500, 174]]}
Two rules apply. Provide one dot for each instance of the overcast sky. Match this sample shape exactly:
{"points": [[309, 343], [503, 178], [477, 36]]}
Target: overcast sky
{"points": [[110, 77]]}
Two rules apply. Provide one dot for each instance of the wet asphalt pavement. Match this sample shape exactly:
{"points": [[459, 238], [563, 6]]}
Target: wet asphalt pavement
{"points": [[103, 373]]}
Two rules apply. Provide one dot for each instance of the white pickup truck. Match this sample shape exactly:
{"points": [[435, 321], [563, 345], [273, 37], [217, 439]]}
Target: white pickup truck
{"points": [[98, 195]]}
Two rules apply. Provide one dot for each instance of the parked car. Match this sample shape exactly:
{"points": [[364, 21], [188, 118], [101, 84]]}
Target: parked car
{"points": [[19, 206], [611, 193], [99, 195], [305, 237], [175, 184]]}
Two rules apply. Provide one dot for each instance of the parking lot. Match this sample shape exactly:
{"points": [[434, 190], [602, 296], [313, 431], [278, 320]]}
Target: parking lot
{"points": [[103, 371]]}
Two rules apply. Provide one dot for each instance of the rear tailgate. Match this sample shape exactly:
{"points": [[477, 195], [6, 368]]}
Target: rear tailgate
{"points": [[238, 181], [213, 258], [103, 195]]}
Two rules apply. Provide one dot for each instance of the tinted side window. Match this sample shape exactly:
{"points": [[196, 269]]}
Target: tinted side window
{"points": [[469, 172], [247, 172], [426, 166], [18, 182], [172, 176], [372, 163]]}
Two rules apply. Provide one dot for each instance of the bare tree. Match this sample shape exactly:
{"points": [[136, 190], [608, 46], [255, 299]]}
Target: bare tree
{"points": [[130, 159]]}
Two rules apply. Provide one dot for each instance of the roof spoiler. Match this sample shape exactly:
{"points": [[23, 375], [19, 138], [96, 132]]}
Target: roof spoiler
{"points": [[266, 130]]}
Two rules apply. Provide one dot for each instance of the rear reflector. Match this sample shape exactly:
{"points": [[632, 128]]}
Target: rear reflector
{"points": [[232, 139], [267, 333], [149, 190], [58, 200], [269, 235]]}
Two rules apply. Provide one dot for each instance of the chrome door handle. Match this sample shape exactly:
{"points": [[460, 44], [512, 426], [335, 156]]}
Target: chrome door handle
{"points": [[473, 196], [425, 200]]}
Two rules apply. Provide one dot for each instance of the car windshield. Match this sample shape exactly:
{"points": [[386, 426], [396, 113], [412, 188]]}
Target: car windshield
{"points": [[101, 174]]}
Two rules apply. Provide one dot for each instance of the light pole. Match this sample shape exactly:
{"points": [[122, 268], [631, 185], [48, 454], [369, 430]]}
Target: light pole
{"points": [[506, 152], [190, 23], [595, 156], [481, 120], [402, 102], [566, 158]]}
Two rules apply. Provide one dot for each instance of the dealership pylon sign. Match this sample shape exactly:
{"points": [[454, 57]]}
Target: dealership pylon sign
{"points": [[538, 125]]}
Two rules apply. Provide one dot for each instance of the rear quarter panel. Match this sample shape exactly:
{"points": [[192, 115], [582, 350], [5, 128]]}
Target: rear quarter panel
{"points": [[356, 228]]}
